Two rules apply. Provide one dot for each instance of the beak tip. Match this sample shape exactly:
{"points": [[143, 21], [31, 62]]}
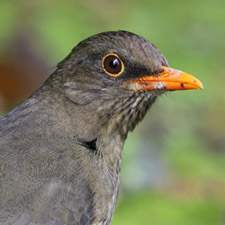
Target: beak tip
{"points": [[198, 84], [201, 85]]}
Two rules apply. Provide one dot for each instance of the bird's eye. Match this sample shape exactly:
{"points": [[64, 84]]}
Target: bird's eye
{"points": [[112, 65]]}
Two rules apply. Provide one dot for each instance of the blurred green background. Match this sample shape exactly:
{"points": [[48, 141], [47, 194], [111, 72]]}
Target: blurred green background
{"points": [[174, 162]]}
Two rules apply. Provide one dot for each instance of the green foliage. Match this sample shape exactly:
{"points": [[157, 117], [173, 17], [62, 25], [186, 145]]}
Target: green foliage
{"points": [[160, 209]]}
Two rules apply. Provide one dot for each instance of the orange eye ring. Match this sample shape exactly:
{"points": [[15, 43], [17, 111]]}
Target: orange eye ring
{"points": [[112, 65]]}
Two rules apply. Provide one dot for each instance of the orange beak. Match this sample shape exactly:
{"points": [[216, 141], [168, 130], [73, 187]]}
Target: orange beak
{"points": [[169, 79]]}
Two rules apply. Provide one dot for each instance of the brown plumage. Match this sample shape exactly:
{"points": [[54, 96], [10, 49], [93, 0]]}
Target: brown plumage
{"points": [[61, 150]]}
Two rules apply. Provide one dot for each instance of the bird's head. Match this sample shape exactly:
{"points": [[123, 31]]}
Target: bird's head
{"points": [[116, 76]]}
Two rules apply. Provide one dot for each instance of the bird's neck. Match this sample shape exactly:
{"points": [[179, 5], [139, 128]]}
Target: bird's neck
{"points": [[110, 148], [103, 119]]}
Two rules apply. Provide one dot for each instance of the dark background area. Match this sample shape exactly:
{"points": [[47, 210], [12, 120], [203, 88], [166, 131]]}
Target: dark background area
{"points": [[174, 162]]}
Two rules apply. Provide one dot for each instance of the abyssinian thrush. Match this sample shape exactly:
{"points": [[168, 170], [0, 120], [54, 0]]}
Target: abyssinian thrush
{"points": [[61, 150]]}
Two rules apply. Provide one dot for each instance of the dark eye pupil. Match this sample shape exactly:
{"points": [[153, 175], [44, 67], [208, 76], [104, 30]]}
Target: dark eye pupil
{"points": [[112, 64]]}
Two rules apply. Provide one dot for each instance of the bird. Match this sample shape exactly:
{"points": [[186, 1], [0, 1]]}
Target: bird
{"points": [[61, 149]]}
